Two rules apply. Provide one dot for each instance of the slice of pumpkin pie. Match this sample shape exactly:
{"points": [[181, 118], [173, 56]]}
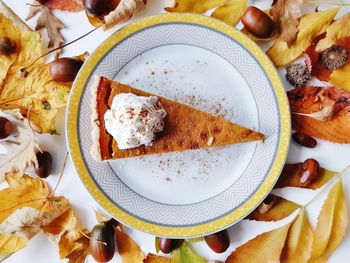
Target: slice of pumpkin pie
{"points": [[128, 122]]}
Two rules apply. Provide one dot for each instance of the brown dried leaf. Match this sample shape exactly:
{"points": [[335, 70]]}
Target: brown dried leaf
{"points": [[20, 149], [309, 100], [230, 12], [194, 6], [299, 240], [66, 5], [128, 250], [289, 177], [286, 15], [281, 209], [266, 247], [310, 26], [52, 24], [331, 226]]}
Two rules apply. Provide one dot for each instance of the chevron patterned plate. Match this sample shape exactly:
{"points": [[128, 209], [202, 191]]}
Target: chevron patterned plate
{"points": [[211, 66]]}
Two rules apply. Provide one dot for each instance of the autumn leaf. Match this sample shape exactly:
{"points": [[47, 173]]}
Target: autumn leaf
{"points": [[128, 250], [286, 15], [152, 258], [47, 20], [339, 77], [280, 209], [299, 240], [194, 6], [65, 233], [230, 12], [37, 91], [289, 177], [185, 254], [20, 148], [26, 206], [331, 226], [321, 112], [266, 247], [310, 26], [64, 5]]}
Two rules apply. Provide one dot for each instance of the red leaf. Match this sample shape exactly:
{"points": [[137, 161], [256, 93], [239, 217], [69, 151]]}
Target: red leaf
{"points": [[65, 5]]}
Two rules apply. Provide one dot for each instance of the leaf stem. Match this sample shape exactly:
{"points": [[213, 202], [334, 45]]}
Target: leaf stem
{"points": [[61, 175], [85, 235]]}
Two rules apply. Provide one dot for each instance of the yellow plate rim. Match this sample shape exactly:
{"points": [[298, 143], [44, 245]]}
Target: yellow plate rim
{"points": [[212, 226]]}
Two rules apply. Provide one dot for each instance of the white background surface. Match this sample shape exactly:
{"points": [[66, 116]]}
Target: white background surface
{"points": [[39, 250]]}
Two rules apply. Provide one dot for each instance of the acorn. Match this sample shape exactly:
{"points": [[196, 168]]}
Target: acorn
{"points": [[65, 69], [44, 164], [334, 57], [218, 242], [6, 128], [166, 245], [102, 244], [257, 22], [298, 74]]}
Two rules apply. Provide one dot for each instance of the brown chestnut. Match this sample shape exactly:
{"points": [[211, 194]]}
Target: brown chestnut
{"points": [[44, 164], [98, 8], [257, 22], [308, 173], [304, 140], [218, 242], [65, 69], [6, 128], [7, 47], [166, 245], [102, 244]]}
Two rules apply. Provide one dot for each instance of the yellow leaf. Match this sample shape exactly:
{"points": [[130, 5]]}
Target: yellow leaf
{"points": [[299, 240], [151, 258], [339, 77], [194, 6], [64, 232], [230, 12], [289, 177], [339, 29], [128, 250], [331, 226], [36, 91], [311, 25], [10, 244], [9, 31], [266, 247], [280, 209]]}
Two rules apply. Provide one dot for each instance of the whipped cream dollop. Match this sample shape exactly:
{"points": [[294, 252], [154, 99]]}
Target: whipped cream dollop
{"points": [[134, 120]]}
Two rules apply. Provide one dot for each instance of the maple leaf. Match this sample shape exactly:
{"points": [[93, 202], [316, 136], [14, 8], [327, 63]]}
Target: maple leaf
{"points": [[64, 5], [194, 6], [310, 26], [128, 250], [20, 148], [281, 208], [286, 15], [306, 104], [26, 206], [289, 177], [299, 241], [230, 12], [52, 24], [331, 226], [266, 247], [64, 232]]}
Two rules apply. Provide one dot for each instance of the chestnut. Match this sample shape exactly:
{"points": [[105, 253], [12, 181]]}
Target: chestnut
{"points": [[218, 242], [166, 245], [308, 173], [257, 22], [6, 128], [98, 8], [65, 69]]}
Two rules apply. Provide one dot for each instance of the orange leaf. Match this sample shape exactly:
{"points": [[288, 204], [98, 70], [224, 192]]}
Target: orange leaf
{"points": [[128, 250], [289, 177], [151, 258], [332, 125], [64, 5]]}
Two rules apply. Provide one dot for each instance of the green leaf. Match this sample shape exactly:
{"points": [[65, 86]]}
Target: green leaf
{"points": [[185, 255]]}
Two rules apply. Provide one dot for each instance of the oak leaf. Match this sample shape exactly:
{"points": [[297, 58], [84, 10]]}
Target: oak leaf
{"points": [[20, 148], [266, 247], [306, 104], [194, 6], [299, 240], [310, 26], [280, 209], [230, 12], [64, 5], [49, 21], [128, 250], [289, 177], [331, 226], [286, 15], [26, 206]]}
